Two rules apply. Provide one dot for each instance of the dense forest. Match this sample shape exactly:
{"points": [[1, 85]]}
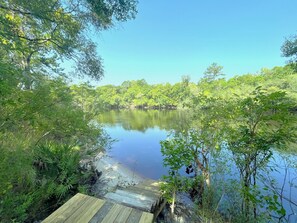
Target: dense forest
{"points": [[140, 94], [47, 126]]}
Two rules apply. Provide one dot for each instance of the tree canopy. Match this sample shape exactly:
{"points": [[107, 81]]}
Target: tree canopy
{"points": [[289, 48], [140, 94], [37, 35], [213, 72]]}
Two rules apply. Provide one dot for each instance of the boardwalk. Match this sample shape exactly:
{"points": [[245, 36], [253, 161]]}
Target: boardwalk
{"points": [[140, 203]]}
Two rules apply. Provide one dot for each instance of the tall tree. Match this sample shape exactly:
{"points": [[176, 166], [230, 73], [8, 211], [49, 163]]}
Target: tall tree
{"points": [[213, 72], [289, 48], [186, 80]]}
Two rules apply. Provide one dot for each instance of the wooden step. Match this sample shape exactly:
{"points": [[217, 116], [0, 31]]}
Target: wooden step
{"points": [[151, 183], [137, 196], [156, 196], [149, 186], [144, 205]]}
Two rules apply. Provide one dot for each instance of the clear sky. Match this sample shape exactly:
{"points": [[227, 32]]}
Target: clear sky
{"points": [[171, 38]]}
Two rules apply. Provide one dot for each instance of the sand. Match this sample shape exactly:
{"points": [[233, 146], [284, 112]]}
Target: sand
{"points": [[113, 175]]}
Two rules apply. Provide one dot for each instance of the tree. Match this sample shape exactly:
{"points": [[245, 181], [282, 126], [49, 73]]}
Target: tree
{"points": [[38, 34], [213, 72], [289, 48], [186, 80], [259, 123], [192, 150]]}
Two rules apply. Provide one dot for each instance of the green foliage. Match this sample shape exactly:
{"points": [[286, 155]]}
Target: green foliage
{"points": [[39, 169], [289, 48], [275, 79], [185, 94], [190, 151], [257, 124], [213, 72], [41, 180], [39, 33], [249, 127], [138, 94], [44, 129], [260, 122]]}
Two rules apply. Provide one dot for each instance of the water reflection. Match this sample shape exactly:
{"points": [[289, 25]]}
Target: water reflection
{"points": [[142, 120], [139, 133], [138, 150]]}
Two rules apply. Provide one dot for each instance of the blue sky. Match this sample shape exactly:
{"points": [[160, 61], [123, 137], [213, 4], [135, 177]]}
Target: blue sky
{"points": [[171, 38]]}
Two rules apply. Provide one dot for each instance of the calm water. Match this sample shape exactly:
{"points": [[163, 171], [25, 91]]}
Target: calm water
{"points": [[138, 134]]}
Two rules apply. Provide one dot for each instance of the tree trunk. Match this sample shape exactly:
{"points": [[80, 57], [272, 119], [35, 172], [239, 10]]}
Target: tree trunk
{"points": [[206, 176], [173, 201]]}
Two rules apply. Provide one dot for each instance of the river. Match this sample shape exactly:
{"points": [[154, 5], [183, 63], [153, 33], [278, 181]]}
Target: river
{"points": [[138, 134]]}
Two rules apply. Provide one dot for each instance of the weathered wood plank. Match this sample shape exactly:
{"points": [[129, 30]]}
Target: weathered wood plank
{"points": [[67, 209], [123, 215], [156, 196], [152, 202], [81, 210], [134, 216], [143, 191], [85, 213], [128, 207], [149, 185], [100, 215], [146, 218], [140, 197], [112, 214], [142, 205]]}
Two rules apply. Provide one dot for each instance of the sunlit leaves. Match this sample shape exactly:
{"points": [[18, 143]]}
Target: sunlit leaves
{"points": [[35, 32]]}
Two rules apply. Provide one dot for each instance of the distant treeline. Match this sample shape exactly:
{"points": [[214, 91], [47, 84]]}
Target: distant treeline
{"points": [[140, 94]]}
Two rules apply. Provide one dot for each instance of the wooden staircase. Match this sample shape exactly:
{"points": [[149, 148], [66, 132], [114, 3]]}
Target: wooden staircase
{"points": [[141, 203]]}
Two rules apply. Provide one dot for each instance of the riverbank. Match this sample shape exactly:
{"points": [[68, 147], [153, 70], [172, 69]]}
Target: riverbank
{"points": [[112, 175]]}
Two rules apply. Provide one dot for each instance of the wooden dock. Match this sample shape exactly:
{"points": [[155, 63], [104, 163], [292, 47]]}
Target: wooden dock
{"points": [[140, 203]]}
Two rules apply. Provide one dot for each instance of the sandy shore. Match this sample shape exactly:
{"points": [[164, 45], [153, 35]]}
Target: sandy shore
{"points": [[113, 174]]}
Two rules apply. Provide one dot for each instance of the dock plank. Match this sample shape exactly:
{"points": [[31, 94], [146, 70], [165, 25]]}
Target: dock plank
{"points": [[79, 214], [66, 210], [134, 216], [98, 217], [88, 211], [146, 217], [112, 214], [125, 205], [123, 215]]}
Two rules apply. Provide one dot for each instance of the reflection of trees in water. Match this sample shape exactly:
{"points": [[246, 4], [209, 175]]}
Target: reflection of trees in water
{"points": [[141, 120]]}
